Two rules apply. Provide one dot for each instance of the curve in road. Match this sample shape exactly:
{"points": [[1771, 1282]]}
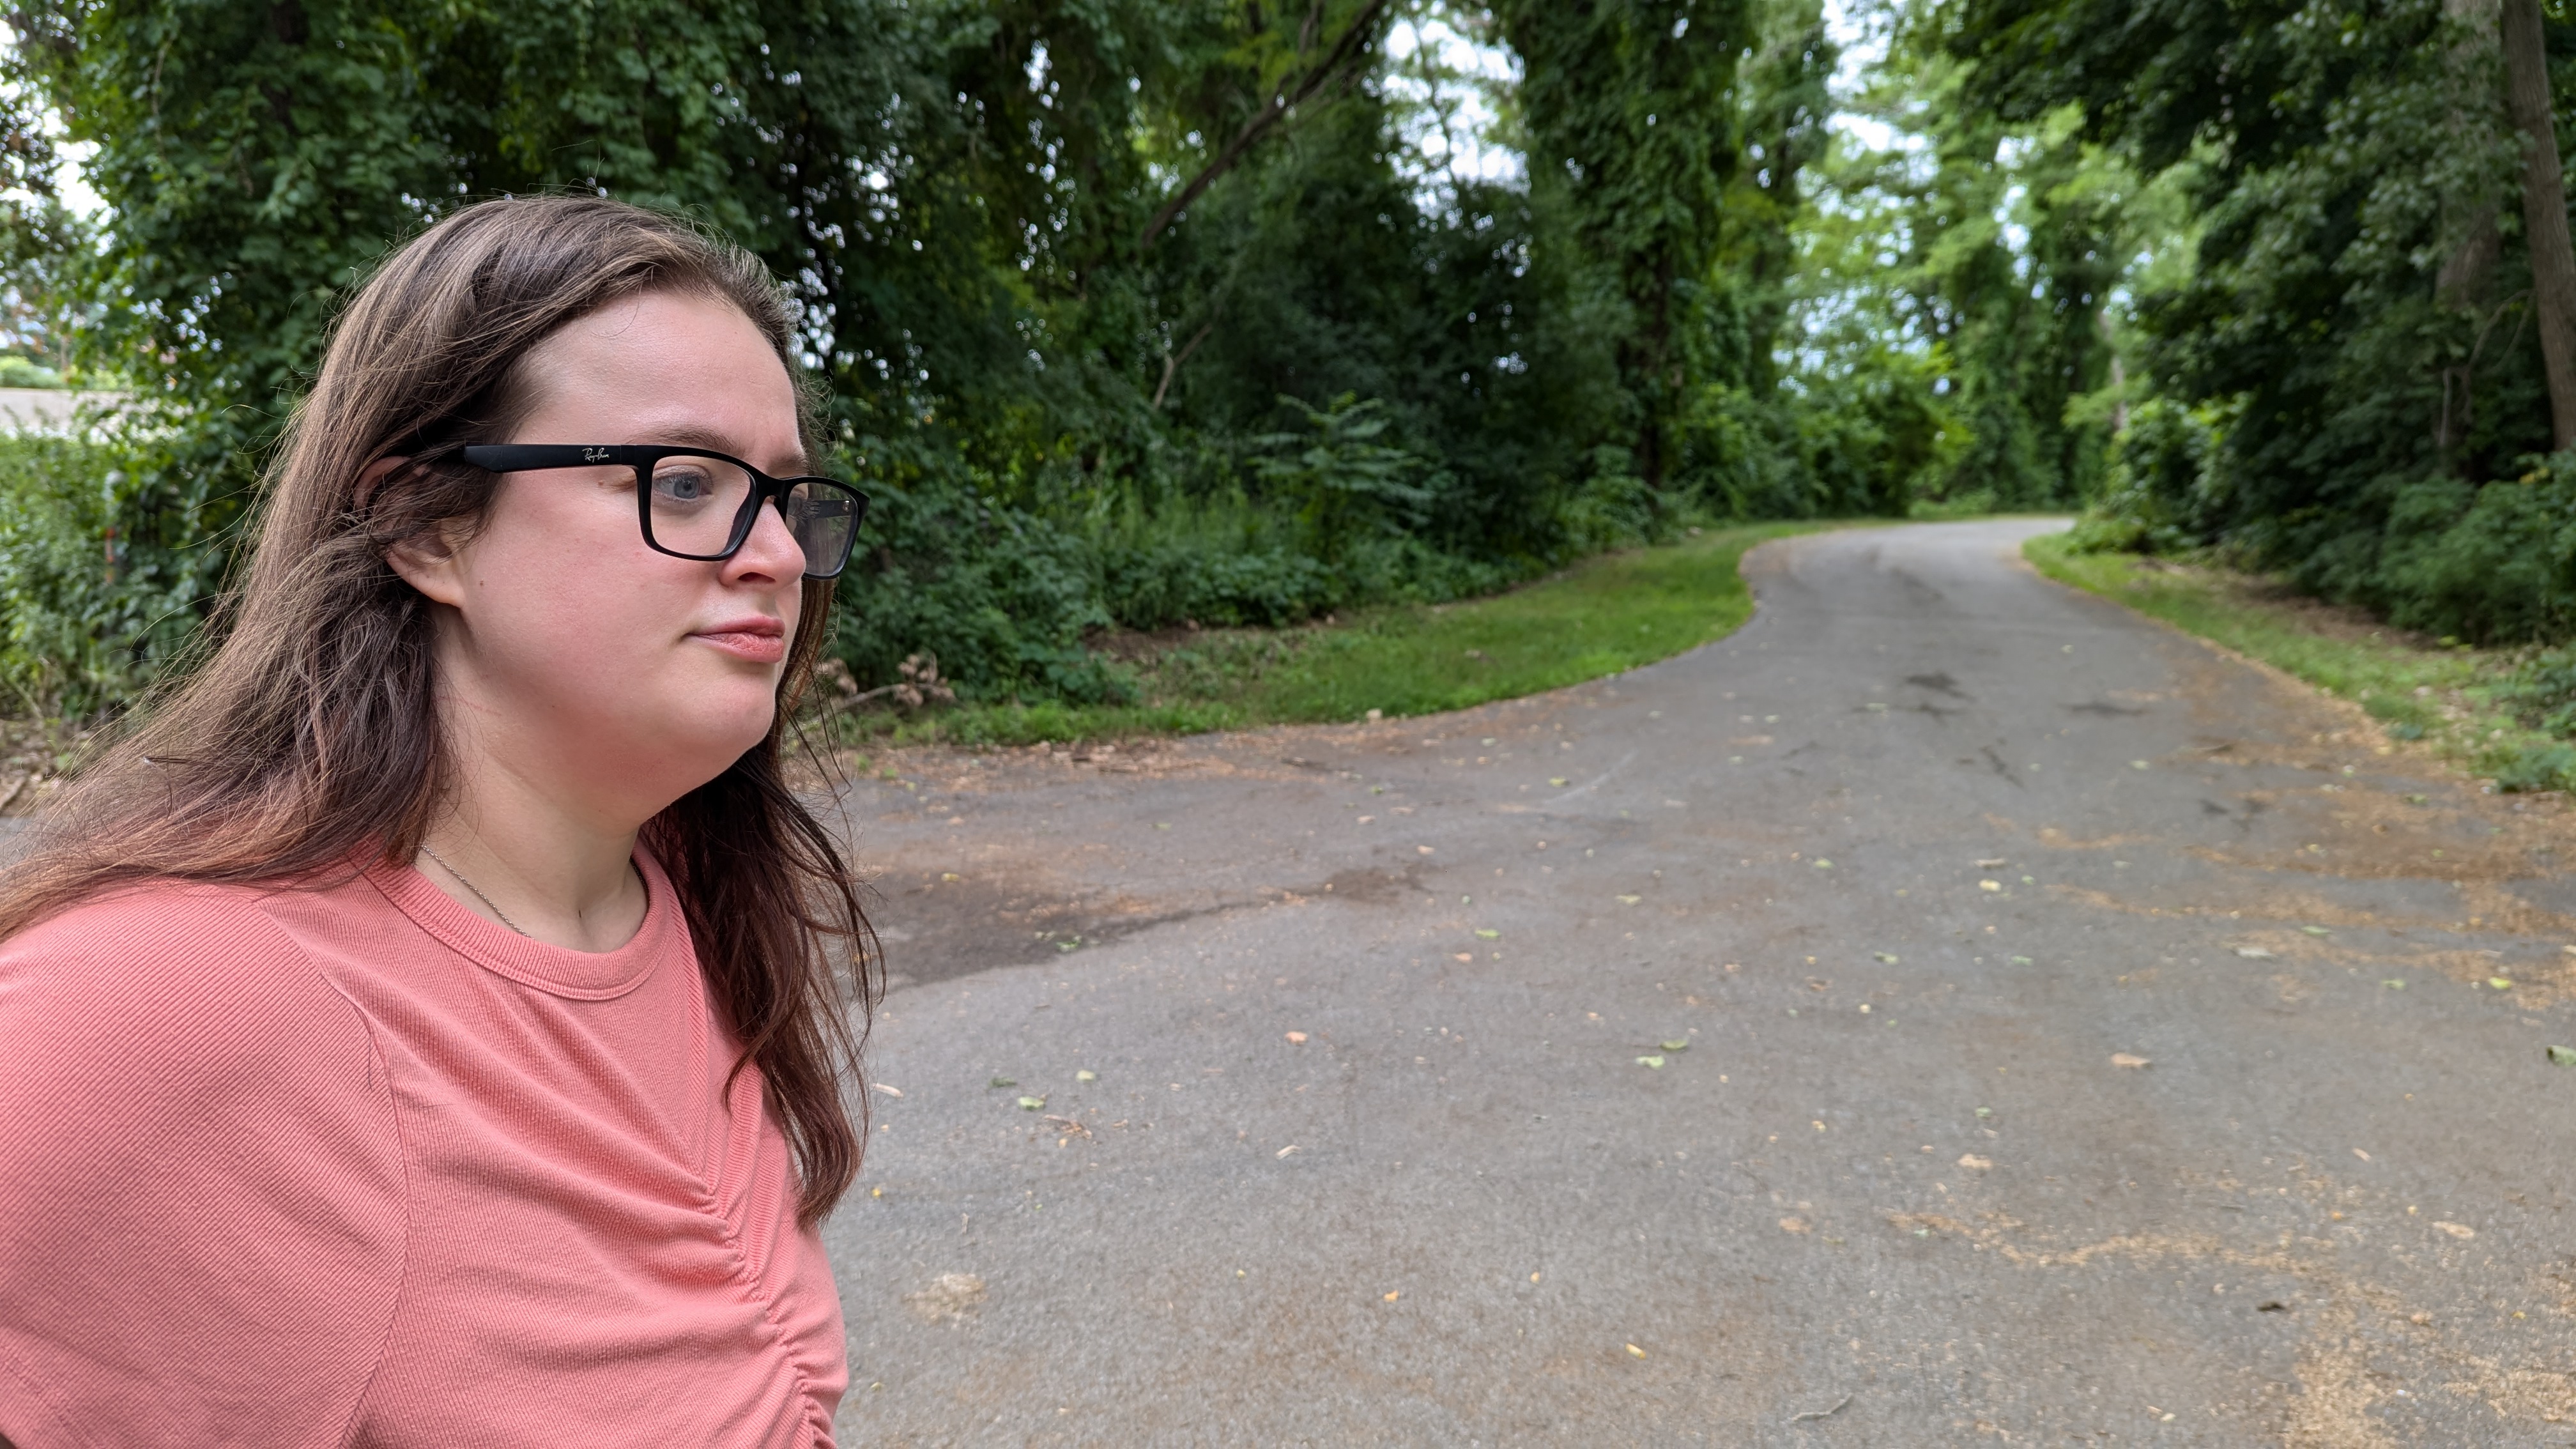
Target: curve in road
{"points": [[1950, 1007]]}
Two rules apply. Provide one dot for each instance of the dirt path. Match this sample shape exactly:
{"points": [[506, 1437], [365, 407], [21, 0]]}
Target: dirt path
{"points": [[1895, 885]]}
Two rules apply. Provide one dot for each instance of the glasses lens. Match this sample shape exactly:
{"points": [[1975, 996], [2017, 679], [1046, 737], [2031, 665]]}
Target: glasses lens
{"points": [[694, 503], [823, 518]]}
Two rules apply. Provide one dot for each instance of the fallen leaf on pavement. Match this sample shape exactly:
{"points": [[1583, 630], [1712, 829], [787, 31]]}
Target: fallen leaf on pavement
{"points": [[1466, 956], [1031, 1104], [2316, 930], [2021, 960], [1086, 1075], [1794, 1225], [1635, 1352], [2394, 984], [1998, 863], [1284, 1151], [2461, 1231], [1391, 1297], [1885, 957], [1630, 900], [2501, 983], [1990, 885], [1677, 1046], [1557, 780], [2364, 1156], [1974, 1163], [2563, 1056], [1296, 1038], [1655, 1062], [1490, 935], [2254, 953], [1823, 864], [1002, 1082], [2123, 1059]]}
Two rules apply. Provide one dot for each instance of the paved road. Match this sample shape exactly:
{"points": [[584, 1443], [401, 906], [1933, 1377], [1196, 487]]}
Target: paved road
{"points": [[1892, 883]]}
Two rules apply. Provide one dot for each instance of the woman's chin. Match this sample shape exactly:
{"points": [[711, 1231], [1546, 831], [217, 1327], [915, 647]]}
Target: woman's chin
{"points": [[711, 746]]}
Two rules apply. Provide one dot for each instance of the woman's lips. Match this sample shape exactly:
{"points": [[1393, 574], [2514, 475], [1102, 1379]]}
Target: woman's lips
{"points": [[758, 641]]}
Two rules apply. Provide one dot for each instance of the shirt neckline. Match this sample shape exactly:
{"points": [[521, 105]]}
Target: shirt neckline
{"points": [[556, 970]]}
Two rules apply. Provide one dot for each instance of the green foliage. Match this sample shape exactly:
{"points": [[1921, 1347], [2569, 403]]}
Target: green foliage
{"points": [[2351, 390], [1338, 481], [2543, 692], [2538, 767], [91, 590], [1630, 112], [27, 372], [1608, 614], [1134, 315]]}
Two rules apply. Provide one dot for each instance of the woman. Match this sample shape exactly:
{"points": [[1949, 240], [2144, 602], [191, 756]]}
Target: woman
{"points": [[421, 1031]]}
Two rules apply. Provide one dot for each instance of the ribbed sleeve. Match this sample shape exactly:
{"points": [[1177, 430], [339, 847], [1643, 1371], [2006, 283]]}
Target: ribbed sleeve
{"points": [[202, 1195]]}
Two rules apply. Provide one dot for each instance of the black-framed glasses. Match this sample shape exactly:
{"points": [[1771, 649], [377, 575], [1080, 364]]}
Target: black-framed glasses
{"points": [[694, 504]]}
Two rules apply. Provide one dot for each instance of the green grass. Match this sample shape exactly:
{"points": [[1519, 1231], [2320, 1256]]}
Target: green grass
{"points": [[2445, 695], [1602, 616]]}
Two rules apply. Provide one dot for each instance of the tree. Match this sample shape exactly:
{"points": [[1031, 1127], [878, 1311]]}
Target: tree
{"points": [[1628, 108], [2544, 210]]}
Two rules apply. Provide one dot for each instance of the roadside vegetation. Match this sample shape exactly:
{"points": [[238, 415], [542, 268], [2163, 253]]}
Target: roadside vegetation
{"points": [[2503, 713], [1605, 615], [1161, 333]]}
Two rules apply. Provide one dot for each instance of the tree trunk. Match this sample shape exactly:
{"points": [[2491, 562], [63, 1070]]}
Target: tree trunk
{"points": [[2544, 211], [2465, 274]]}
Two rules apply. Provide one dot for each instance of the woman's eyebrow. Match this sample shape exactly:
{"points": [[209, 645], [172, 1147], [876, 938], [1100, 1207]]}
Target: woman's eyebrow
{"points": [[692, 435]]}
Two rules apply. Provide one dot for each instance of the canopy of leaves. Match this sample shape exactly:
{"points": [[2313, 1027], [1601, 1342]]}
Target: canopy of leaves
{"points": [[1140, 312]]}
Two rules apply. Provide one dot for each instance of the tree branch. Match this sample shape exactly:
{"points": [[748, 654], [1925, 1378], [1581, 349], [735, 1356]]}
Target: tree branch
{"points": [[1354, 41], [1172, 362]]}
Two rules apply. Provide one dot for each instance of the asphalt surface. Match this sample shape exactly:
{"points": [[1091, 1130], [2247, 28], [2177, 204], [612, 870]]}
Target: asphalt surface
{"points": [[1897, 884]]}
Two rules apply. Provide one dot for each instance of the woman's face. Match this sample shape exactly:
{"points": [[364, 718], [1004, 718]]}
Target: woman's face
{"points": [[576, 650]]}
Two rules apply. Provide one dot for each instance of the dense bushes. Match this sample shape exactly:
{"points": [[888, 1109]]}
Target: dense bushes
{"points": [[93, 597]]}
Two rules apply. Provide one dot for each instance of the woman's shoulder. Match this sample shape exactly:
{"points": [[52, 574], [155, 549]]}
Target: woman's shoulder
{"points": [[202, 1136], [176, 969]]}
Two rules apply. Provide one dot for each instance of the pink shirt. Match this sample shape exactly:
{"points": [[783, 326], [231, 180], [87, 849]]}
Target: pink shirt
{"points": [[355, 1166]]}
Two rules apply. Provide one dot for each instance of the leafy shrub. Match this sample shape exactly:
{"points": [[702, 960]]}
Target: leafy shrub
{"points": [[2496, 563], [2542, 692], [2161, 489], [2538, 767], [1613, 509], [1339, 481], [93, 597], [18, 371]]}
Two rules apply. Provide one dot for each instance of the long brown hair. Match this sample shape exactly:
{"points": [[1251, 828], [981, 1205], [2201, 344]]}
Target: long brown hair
{"points": [[307, 741]]}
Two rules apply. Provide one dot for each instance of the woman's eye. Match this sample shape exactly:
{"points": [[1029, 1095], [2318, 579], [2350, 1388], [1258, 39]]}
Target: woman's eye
{"points": [[683, 485]]}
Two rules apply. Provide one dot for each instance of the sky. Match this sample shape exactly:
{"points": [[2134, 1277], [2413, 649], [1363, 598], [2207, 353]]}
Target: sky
{"points": [[1465, 71]]}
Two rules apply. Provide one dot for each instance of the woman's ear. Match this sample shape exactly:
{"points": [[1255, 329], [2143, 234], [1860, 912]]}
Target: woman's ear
{"points": [[426, 564]]}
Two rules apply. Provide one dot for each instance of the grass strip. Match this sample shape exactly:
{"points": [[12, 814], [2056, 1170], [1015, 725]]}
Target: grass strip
{"points": [[1605, 615], [2446, 695]]}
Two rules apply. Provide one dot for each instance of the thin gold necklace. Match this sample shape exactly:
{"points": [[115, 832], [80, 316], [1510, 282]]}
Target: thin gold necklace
{"points": [[471, 886]]}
